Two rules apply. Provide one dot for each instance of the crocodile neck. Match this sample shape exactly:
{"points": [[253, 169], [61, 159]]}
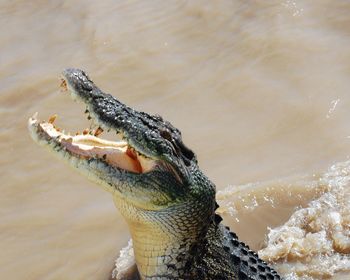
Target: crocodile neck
{"points": [[164, 248], [167, 249], [159, 256]]}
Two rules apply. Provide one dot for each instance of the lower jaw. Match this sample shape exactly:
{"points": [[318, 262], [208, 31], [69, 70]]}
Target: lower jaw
{"points": [[85, 146]]}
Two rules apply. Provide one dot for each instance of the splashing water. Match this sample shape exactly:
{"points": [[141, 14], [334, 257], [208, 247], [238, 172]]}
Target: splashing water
{"points": [[315, 241]]}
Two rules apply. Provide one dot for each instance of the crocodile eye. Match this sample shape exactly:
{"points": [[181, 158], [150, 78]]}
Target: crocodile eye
{"points": [[166, 135]]}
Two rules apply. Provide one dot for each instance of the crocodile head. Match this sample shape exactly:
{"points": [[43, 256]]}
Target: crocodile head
{"points": [[153, 176]]}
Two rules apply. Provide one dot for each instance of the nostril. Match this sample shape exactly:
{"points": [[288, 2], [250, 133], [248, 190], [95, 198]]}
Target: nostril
{"points": [[86, 86]]}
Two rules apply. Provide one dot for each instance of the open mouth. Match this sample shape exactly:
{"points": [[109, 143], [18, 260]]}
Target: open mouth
{"points": [[89, 144]]}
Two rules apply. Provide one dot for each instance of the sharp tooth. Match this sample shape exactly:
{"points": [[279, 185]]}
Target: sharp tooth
{"points": [[35, 116], [98, 131], [63, 85], [52, 119]]}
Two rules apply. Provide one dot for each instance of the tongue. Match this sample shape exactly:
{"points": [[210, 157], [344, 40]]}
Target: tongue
{"points": [[132, 154]]}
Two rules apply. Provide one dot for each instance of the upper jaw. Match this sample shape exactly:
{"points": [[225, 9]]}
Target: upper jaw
{"points": [[106, 111], [118, 154], [143, 132]]}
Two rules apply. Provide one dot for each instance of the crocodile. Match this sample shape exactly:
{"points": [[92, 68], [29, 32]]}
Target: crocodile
{"points": [[168, 203]]}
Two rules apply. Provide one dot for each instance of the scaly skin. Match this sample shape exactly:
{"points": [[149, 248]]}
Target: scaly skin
{"points": [[168, 203]]}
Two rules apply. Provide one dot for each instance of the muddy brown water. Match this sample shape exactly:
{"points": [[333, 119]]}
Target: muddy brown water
{"points": [[259, 90]]}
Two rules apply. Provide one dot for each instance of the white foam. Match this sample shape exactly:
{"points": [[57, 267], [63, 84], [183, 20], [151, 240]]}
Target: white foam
{"points": [[315, 241]]}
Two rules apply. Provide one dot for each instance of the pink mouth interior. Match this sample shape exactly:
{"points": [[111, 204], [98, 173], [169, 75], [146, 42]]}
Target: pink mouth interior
{"points": [[115, 153]]}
